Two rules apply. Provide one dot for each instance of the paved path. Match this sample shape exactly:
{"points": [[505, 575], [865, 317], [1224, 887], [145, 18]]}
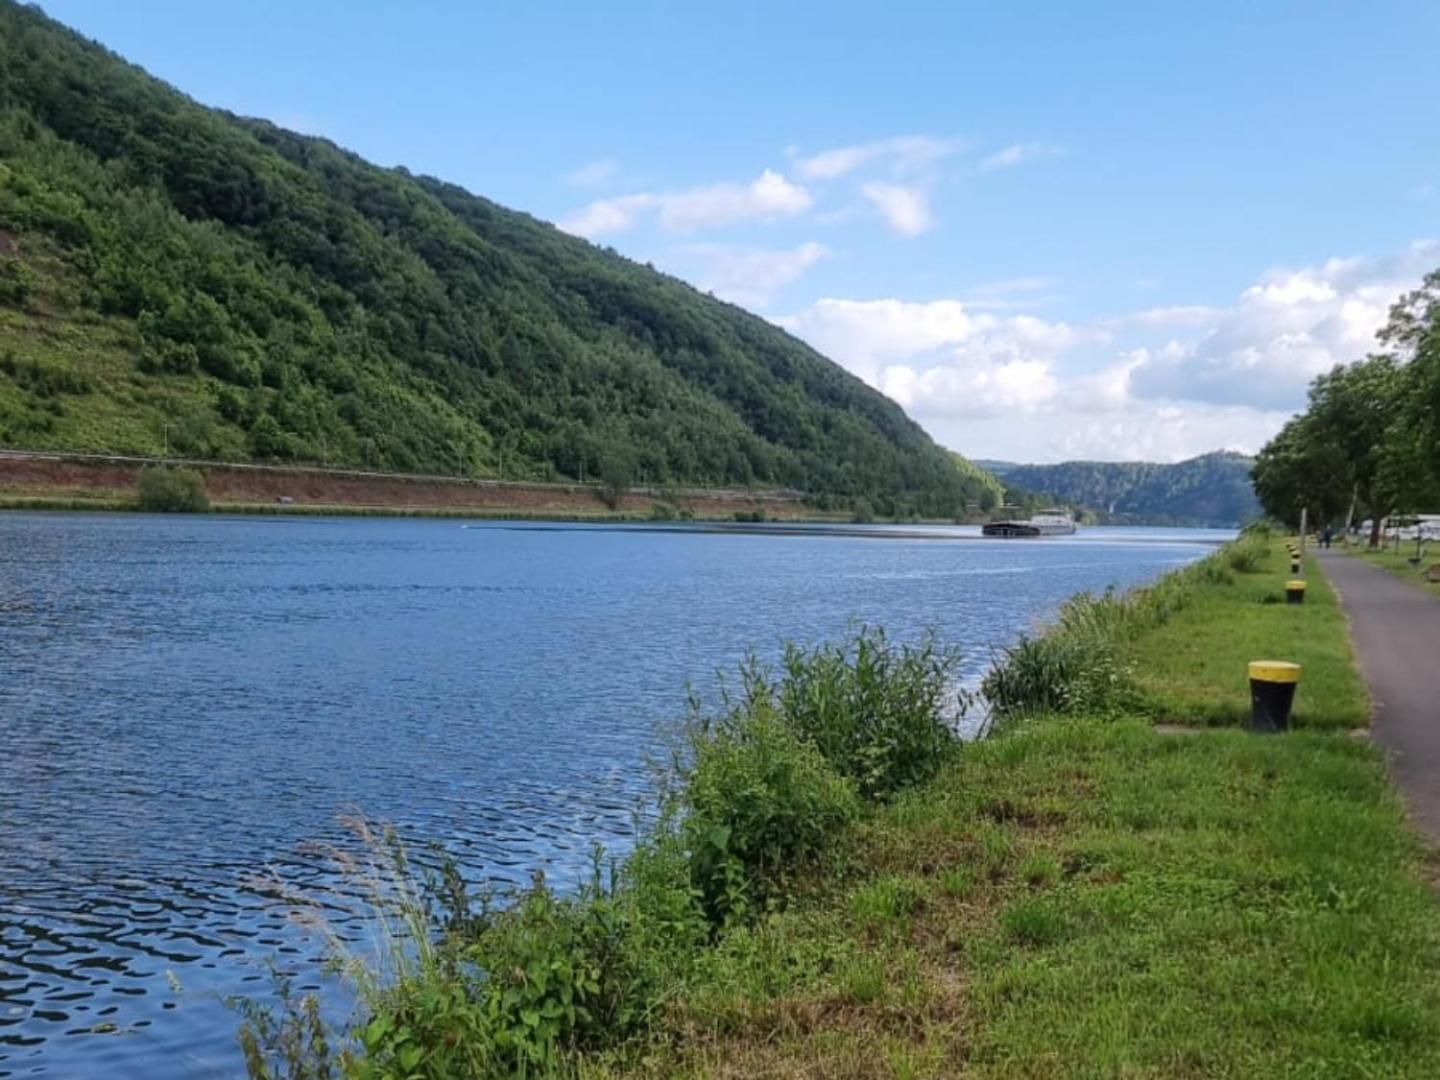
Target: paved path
{"points": [[1396, 629]]}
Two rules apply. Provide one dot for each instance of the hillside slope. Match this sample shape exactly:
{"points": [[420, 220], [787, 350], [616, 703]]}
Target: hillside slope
{"points": [[177, 279], [1213, 489]]}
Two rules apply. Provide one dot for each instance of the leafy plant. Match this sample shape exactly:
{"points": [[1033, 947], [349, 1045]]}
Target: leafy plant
{"points": [[878, 713], [758, 803], [287, 1041], [164, 490]]}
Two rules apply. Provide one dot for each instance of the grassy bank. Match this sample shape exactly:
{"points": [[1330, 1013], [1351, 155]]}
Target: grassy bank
{"points": [[836, 888], [1190, 669]]}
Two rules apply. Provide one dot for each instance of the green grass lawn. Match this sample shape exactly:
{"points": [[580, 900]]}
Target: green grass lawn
{"points": [[1092, 898], [1192, 670], [1398, 563]]}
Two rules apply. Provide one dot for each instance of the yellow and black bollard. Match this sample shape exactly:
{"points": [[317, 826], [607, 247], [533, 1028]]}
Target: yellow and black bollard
{"points": [[1272, 693], [1295, 592], [1294, 564]]}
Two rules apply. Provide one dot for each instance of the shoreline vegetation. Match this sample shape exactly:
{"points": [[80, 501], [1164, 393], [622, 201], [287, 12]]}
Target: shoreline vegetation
{"points": [[833, 885], [61, 481], [31, 481]]}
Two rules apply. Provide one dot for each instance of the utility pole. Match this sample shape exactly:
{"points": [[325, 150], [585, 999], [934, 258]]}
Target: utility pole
{"points": [[167, 438], [1303, 513]]}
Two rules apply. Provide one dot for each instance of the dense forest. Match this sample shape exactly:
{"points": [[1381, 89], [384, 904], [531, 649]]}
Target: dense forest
{"points": [[176, 279], [1367, 444], [1210, 490]]}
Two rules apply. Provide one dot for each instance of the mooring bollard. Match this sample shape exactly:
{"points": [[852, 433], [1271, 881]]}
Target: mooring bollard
{"points": [[1272, 693], [1295, 592]]}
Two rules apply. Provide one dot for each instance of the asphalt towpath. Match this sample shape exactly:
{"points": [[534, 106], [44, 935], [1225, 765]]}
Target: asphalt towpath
{"points": [[1396, 631]]}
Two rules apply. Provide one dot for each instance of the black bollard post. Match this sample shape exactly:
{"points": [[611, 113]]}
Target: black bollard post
{"points": [[1272, 693], [1295, 592]]}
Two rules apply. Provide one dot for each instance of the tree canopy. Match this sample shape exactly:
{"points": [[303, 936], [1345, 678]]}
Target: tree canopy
{"points": [[1367, 444]]}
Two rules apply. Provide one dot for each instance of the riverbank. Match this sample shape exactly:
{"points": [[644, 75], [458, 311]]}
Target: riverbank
{"points": [[1090, 895], [1084, 893], [46, 481]]}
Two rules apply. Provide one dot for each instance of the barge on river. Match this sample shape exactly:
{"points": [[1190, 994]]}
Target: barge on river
{"points": [[1051, 522]]}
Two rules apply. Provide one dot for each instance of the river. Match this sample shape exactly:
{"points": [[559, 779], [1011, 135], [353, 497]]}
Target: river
{"points": [[188, 703]]}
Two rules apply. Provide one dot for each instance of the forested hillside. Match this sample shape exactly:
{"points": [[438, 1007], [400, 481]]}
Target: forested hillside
{"points": [[177, 279], [1213, 489]]}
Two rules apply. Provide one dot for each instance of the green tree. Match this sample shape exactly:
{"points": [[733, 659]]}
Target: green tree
{"points": [[165, 490]]}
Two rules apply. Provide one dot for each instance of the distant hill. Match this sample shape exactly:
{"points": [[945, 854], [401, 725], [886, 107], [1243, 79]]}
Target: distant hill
{"points": [[1213, 489], [177, 279], [996, 468]]}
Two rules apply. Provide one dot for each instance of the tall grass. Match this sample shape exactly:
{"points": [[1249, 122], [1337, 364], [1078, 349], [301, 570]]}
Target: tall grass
{"points": [[1077, 665]]}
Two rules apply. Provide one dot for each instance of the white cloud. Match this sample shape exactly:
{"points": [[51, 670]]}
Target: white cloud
{"points": [[903, 154], [1177, 381], [863, 335], [750, 276], [905, 209], [1284, 330], [937, 354], [608, 215], [1142, 431], [593, 173], [768, 197], [982, 388], [1018, 153]]}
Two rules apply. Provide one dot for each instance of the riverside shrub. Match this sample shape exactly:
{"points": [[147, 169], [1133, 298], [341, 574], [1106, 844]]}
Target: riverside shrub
{"points": [[879, 714], [759, 803], [165, 490]]}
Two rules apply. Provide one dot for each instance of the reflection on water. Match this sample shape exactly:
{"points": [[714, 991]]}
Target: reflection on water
{"points": [[188, 704]]}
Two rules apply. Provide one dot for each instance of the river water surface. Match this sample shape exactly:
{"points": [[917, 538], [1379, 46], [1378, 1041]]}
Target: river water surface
{"points": [[187, 705]]}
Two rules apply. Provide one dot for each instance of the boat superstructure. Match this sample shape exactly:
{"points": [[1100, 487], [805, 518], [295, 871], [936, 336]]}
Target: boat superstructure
{"points": [[1052, 521]]}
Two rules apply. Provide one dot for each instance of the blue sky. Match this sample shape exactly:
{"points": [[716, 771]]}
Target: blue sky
{"points": [[1049, 231]]}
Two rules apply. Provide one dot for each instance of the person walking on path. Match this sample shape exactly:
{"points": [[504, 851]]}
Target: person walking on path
{"points": [[1396, 630]]}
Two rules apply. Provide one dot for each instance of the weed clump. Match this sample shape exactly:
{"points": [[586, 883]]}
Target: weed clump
{"points": [[879, 714], [171, 491], [759, 803], [1245, 555]]}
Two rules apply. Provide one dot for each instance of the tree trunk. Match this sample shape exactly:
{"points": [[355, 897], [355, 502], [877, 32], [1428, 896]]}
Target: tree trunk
{"points": [[1375, 520]]}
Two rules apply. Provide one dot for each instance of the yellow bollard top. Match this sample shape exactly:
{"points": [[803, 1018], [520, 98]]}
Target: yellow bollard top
{"points": [[1295, 584], [1280, 671]]}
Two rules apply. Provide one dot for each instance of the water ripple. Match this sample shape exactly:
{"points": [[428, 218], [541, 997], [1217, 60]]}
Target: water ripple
{"points": [[188, 704]]}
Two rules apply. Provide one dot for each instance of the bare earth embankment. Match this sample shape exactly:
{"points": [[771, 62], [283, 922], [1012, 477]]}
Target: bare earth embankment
{"points": [[76, 481]]}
